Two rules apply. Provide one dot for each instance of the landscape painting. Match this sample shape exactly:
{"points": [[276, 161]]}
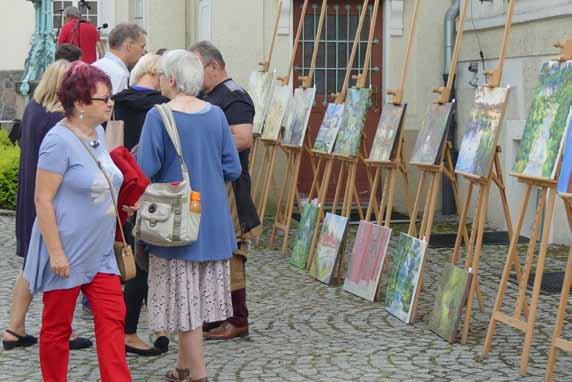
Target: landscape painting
{"points": [[299, 115], [350, 133], [407, 263], [541, 144], [366, 263], [481, 134], [449, 301], [333, 119], [260, 86], [276, 111], [328, 249], [388, 129], [431, 138], [565, 181], [304, 233]]}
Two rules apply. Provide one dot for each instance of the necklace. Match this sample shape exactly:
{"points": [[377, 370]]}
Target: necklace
{"points": [[93, 143]]}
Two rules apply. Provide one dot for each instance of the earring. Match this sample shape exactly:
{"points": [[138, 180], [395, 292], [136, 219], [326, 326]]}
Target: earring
{"points": [[81, 115]]}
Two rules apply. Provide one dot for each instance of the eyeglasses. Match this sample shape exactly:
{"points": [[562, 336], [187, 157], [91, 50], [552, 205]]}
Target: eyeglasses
{"points": [[103, 99]]}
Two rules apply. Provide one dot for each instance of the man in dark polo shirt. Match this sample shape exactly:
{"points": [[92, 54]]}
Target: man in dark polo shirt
{"points": [[220, 90]]}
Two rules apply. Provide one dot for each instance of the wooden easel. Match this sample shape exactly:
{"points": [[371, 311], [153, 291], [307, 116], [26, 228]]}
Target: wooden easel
{"points": [[271, 146], [348, 165], [547, 190], [293, 154], [434, 173], [398, 163]]}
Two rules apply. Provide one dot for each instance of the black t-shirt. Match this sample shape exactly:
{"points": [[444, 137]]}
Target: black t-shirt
{"points": [[238, 109]]}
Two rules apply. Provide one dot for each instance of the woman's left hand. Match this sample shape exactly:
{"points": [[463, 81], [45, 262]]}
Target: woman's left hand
{"points": [[130, 209]]}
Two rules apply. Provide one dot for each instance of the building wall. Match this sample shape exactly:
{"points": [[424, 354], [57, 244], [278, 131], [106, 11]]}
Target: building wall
{"points": [[537, 25]]}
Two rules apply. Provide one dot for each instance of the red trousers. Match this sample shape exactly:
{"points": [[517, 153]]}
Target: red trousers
{"points": [[108, 307]]}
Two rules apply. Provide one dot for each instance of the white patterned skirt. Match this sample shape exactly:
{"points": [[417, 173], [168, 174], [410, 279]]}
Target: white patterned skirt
{"points": [[184, 294]]}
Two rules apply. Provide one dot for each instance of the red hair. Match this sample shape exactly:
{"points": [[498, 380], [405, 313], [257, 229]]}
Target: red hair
{"points": [[80, 84]]}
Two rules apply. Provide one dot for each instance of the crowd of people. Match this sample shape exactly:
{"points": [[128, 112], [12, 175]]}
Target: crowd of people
{"points": [[72, 188]]}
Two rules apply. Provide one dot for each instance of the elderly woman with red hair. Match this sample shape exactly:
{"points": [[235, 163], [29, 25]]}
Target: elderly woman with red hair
{"points": [[71, 248]]}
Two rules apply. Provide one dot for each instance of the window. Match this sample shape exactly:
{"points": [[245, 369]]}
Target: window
{"points": [[140, 13], [88, 10]]}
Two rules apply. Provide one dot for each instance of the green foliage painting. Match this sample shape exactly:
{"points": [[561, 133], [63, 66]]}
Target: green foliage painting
{"points": [[304, 236], [384, 143], [449, 301], [404, 277], [481, 134], [432, 135], [298, 115], [349, 135], [333, 119], [276, 111], [541, 144], [328, 248]]}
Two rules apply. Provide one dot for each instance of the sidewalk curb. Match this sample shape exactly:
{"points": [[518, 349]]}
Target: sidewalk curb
{"points": [[7, 212]]}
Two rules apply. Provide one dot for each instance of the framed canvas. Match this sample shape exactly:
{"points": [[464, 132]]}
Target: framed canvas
{"points": [[565, 180], [404, 277], [366, 263], [328, 248], [481, 134], [333, 119], [276, 112], [350, 132], [388, 129], [432, 136], [541, 144], [304, 233], [298, 116], [449, 301], [260, 86]]}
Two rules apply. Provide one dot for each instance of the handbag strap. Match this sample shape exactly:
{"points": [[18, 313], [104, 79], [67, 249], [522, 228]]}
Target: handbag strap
{"points": [[111, 190], [171, 128]]}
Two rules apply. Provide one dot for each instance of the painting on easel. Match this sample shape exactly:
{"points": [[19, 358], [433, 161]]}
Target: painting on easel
{"points": [[481, 134], [298, 116], [333, 119], [328, 249], [303, 241], [350, 133], [449, 301], [565, 181], [366, 263], [383, 148], [541, 143], [432, 135], [276, 111], [404, 277], [260, 86]]}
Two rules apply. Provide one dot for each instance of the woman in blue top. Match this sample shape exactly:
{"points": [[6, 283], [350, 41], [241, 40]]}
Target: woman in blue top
{"points": [[190, 285], [72, 239]]}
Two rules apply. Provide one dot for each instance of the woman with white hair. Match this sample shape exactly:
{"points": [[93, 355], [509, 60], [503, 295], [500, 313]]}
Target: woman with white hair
{"points": [[190, 285]]}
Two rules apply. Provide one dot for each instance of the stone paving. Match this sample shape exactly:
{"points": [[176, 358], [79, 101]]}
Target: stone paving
{"points": [[302, 330]]}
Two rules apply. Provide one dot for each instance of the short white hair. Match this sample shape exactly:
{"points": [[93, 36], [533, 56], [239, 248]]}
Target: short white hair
{"points": [[185, 68], [148, 64]]}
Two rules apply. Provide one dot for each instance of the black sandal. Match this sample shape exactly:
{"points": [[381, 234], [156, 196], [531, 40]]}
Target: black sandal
{"points": [[178, 375], [22, 341]]}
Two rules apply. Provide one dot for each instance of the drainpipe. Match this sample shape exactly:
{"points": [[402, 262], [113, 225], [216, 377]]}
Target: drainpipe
{"points": [[447, 199]]}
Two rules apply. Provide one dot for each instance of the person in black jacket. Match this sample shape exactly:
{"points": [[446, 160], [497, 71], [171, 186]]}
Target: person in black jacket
{"points": [[131, 107]]}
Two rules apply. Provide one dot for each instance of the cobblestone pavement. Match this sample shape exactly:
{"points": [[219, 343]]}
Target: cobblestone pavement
{"points": [[302, 330]]}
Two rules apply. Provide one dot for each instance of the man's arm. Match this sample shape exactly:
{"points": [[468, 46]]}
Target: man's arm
{"points": [[242, 135], [100, 49]]}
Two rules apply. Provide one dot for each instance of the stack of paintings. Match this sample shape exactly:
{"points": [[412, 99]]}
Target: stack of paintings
{"points": [[403, 282], [276, 112], [388, 129], [366, 263], [328, 249], [298, 115], [260, 86], [431, 138], [333, 119], [481, 134], [350, 133], [449, 302], [541, 144], [303, 241]]}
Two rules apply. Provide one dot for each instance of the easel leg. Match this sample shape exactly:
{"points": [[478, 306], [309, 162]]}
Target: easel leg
{"points": [[559, 320], [281, 216], [373, 188], [462, 218], [290, 205], [502, 190], [389, 210], [537, 283], [338, 188], [266, 190], [413, 215], [373, 194], [321, 200], [315, 188]]}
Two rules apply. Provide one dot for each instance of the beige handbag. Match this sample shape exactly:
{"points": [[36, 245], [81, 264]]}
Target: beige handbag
{"points": [[114, 133], [123, 251], [164, 217]]}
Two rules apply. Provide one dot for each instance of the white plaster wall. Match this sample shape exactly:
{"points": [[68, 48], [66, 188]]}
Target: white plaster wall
{"points": [[17, 27], [166, 24]]}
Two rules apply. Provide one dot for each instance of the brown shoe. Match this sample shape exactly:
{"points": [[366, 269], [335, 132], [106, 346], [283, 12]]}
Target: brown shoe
{"points": [[227, 331]]}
